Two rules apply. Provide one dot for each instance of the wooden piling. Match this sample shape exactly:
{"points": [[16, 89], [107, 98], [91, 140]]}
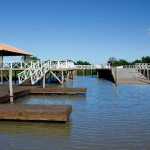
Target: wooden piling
{"points": [[1, 76], [10, 86], [44, 77]]}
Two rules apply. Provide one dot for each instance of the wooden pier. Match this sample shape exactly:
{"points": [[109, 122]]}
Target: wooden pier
{"points": [[33, 112], [24, 90]]}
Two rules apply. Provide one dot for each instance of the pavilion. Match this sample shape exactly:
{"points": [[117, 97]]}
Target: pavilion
{"points": [[7, 50]]}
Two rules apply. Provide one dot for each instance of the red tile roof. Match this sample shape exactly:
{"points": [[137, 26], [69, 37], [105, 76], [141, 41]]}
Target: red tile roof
{"points": [[8, 50]]}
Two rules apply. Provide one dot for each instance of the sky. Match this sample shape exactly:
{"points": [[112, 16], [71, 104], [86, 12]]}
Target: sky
{"points": [[86, 30]]}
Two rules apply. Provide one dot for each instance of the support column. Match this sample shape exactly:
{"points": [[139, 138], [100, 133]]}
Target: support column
{"points": [[10, 86], [73, 73], [44, 78], [116, 75], [91, 72], [97, 74], [15, 76], [143, 72], [1, 66], [83, 72], [62, 77], [148, 74], [1, 77]]}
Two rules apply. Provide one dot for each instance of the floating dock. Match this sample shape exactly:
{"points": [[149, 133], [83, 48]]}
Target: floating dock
{"points": [[24, 90], [34, 112]]}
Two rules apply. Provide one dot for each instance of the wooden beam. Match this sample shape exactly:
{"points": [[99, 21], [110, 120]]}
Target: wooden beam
{"points": [[56, 77]]}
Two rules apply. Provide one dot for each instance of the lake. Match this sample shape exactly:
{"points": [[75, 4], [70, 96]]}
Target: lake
{"points": [[107, 117]]}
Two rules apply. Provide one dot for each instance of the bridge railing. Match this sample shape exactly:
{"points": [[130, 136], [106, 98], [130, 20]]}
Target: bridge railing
{"points": [[142, 65], [35, 71], [18, 64], [138, 66], [22, 76], [92, 66]]}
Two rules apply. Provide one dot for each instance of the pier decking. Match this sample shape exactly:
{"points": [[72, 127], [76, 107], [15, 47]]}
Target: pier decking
{"points": [[132, 76], [33, 112], [23, 90]]}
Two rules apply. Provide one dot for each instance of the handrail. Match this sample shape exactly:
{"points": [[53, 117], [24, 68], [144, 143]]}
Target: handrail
{"points": [[93, 66], [35, 71], [28, 72], [17, 64]]}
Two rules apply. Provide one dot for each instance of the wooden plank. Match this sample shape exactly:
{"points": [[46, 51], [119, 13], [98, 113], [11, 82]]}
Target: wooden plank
{"points": [[34, 112], [58, 90], [24, 90]]}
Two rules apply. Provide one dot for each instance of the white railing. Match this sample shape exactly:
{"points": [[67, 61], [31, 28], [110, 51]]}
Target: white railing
{"points": [[61, 64], [19, 64], [93, 66], [38, 74], [36, 70], [24, 75], [142, 65], [138, 66]]}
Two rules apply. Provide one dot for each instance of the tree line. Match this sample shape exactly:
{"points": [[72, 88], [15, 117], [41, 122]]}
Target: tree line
{"points": [[112, 61], [121, 62], [34, 58]]}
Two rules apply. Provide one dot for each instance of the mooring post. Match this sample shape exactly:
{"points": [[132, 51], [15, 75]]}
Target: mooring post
{"points": [[44, 78], [10, 86]]}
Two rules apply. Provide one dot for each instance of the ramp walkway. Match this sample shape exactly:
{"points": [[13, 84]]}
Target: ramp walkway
{"points": [[130, 75]]}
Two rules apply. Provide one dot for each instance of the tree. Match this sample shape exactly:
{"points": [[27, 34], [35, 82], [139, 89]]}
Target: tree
{"points": [[82, 63], [29, 58], [146, 59], [121, 62], [111, 61]]}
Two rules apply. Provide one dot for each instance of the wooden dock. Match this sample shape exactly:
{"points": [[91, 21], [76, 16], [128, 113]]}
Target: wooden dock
{"points": [[33, 112], [24, 90]]}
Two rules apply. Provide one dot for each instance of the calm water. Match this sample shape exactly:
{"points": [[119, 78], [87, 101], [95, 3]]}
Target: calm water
{"points": [[107, 117]]}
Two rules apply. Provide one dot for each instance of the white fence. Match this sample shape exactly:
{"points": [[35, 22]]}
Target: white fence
{"points": [[37, 70], [24, 65], [93, 66], [19, 64], [138, 66]]}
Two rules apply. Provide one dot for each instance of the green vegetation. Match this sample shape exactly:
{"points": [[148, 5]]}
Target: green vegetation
{"points": [[121, 62], [82, 63], [29, 58]]}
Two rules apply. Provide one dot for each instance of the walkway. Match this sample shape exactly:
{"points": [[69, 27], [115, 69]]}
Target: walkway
{"points": [[130, 76]]}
